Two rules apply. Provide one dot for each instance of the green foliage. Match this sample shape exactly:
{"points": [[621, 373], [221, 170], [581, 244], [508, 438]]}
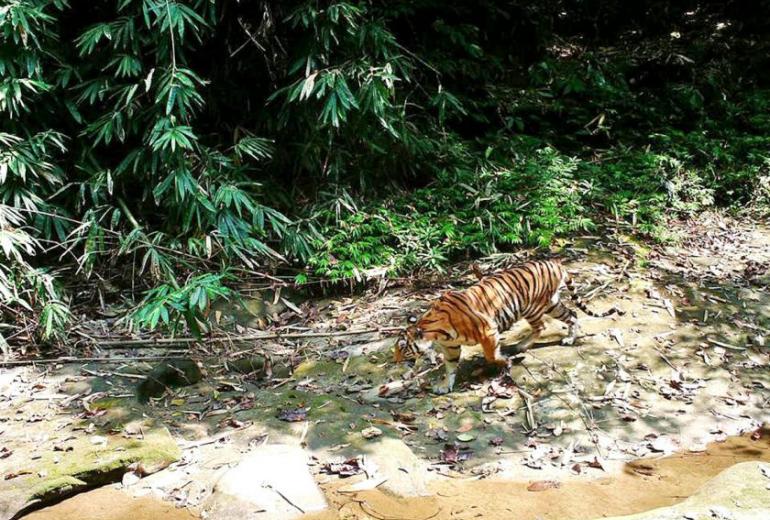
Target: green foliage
{"points": [[168, 305], [153, 142], [529, 201]]}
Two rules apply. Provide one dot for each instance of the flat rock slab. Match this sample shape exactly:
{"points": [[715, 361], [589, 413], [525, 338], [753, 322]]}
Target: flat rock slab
{"points": [[272, 482], [405, 473], [58, 471], [738, 493]]}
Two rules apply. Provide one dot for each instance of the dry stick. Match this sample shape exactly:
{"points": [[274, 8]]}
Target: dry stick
{"points": [[150, 343], [286, 499], [664, 358], [115, 374], [530, 409], [70, 360]]}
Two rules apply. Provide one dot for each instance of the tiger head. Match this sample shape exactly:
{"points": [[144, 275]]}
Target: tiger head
{"points": [[409, 345], [419, 336]]}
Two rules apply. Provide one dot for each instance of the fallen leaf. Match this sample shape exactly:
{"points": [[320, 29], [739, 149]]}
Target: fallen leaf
{"points": [[496, 441], [542, 485], [466, 437], [596, 463], [452, 454], [293, 414], [371, 432], [345, 468], [10, 476], [404, 417]]}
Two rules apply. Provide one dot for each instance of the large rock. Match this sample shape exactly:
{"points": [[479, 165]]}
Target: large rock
{"points": [[272, 482], [80, 463], [405, 473], [738, 493]]}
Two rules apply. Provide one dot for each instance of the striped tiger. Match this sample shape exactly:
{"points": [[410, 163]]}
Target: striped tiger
{"points": [[480, 313]]}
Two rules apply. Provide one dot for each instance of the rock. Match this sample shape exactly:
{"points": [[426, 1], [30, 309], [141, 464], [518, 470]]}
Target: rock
{"points": [[272, 482], [739, 493], [406, 474], [168, 374], [56, 475]]}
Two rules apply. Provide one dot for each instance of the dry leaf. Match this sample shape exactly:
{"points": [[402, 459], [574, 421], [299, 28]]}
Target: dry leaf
{"points": [[542, 485]]}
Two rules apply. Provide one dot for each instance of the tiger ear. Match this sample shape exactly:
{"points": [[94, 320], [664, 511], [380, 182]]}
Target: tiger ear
{"points": [[412, 319]]}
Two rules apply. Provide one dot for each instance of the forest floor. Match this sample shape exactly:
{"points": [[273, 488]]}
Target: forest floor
{"points": [[643, 411]]}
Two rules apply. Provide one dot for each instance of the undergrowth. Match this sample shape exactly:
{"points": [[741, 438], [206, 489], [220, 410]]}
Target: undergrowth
{"points": [[169, 148]]}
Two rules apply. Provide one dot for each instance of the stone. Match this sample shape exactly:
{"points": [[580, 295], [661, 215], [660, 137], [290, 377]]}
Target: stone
{"points": [[56, 475], [271, 482], [739, 492], [405, 473]]}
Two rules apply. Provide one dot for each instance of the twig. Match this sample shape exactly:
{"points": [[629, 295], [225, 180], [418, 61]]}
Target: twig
{"points": [[118, 374], [530, 410], [154, 342], [286, 498], [724, 345], [664, 358], [72, 359]]}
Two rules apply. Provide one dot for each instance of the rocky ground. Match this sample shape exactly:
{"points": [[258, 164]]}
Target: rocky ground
{"points": [[320, 421]]}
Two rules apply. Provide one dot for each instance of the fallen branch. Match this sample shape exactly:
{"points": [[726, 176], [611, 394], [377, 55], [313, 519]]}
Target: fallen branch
{"points": [[724, 345], [155, 342], [71, 360]]}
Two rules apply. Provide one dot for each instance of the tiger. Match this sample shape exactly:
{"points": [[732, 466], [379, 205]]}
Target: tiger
{"points": [[480, 313]]}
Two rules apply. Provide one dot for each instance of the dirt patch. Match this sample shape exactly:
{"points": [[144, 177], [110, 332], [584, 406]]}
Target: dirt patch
{"points": [[644, 484], [111, 504]]}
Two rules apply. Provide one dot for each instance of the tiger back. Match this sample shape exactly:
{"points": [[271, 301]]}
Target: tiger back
{"points": [[480, 313]]}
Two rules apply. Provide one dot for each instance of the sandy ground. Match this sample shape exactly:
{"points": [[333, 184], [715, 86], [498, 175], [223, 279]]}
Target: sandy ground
{"points": [[641, 486]]}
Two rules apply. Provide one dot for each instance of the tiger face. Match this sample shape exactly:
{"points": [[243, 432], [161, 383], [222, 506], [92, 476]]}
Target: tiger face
{"points": [[419, 336], [411, 343]]}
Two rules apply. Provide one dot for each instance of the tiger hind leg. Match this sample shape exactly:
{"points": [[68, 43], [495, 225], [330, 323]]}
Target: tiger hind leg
{"points": [[569, 318], [537, 325]]}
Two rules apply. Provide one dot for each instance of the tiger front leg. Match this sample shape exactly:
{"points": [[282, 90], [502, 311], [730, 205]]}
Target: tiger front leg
{"points": [[451, 360], [491, 347]]}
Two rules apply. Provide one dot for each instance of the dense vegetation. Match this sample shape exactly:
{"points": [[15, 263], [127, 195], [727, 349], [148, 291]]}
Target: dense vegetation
{"points": [[166, 147]]}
